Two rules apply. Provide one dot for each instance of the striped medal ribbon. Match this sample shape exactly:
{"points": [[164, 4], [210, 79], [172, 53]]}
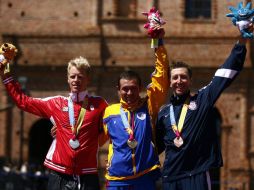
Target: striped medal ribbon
{"points": [[178, 141]]}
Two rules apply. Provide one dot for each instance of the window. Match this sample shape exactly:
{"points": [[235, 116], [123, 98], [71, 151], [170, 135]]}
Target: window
{"points": [[195, 9], [126, 8]]}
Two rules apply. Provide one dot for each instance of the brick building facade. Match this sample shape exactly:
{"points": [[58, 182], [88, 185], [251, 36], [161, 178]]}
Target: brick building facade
{"points": [[110, 34]]}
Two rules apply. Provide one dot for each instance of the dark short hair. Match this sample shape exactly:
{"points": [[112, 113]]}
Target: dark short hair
{"points": [[181, 64], [129, 75]]}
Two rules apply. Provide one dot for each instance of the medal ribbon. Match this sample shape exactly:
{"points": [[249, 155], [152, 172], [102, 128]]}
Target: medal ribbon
{"points": [[75, 127], [126, 123], [178, 128]]}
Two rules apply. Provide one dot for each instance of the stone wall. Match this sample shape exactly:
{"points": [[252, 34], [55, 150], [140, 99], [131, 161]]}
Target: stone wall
{"points": [[48, 34]]}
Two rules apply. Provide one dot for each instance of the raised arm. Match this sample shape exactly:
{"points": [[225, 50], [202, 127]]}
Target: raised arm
{"points": [[32, 105], [226, 73], [157, 90]]}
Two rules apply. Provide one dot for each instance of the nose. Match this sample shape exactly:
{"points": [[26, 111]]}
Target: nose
{"points": [[179, 79], [76, 78], [129, 92]]}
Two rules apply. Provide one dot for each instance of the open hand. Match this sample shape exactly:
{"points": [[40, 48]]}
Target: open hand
{"points": [[9, 51], [159, 30]]}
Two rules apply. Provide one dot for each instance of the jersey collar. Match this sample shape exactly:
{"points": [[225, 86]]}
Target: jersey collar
{"points": [[78, 97]]}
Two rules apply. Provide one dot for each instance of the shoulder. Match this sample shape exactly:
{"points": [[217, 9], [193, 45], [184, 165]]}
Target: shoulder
{"points": [[113, 109], [97, 99], [163, 112], [164, 109], [54, 98]]}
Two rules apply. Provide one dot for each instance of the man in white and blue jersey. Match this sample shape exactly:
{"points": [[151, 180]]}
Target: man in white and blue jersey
{"points": [[183, 130]]}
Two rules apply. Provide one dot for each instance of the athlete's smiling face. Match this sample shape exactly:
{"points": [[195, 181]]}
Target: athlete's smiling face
{"points": [[77, 80], [180, 81], [129, 90]]}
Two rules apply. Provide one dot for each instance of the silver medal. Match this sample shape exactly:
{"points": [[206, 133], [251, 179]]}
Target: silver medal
{"points": [[178, 141], [132, 143], [74, 143]]}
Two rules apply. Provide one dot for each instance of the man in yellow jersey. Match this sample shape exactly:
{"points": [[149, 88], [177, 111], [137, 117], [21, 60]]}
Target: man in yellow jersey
{"points": [[133, 162]]}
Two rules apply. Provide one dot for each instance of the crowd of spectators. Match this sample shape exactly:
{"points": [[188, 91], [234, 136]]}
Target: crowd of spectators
{"points": [[23, 177]]}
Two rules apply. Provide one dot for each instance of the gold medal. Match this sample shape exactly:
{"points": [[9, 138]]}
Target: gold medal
{"points": [[132, 143], [178, 141]]}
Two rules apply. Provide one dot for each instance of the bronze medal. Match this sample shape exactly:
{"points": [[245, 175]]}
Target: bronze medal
{"points": [[74, 143], [178, 141], [132, 143]]}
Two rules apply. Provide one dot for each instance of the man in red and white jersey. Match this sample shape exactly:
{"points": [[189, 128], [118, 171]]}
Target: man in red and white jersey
{"points": [[72, 157]]}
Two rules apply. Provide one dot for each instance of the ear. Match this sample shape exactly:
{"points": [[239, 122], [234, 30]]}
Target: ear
{"points": [[169, 78], [248, 6], [170, 85], [240, 5]]}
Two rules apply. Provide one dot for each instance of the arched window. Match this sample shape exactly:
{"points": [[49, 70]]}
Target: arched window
{"points": [[39, 141], [196, 9]]}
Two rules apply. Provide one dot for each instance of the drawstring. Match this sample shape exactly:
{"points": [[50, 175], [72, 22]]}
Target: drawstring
{"points": [[77, 178]]}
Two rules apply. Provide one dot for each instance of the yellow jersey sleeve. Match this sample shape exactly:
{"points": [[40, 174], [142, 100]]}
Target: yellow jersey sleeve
{"points": [[157, 90]]}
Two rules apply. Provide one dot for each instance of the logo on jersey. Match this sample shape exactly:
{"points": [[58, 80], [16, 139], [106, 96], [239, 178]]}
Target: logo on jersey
{"points": [[91, 107], [141, 116], [65, 109], [193, 105]]}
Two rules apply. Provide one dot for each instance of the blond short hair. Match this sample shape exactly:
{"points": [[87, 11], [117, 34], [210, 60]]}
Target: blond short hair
{"points": [[80, 63]]}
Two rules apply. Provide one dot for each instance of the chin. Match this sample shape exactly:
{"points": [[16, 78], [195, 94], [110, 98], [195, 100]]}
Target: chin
{"points": [[179, 93], [129, 102], [75, 91]]}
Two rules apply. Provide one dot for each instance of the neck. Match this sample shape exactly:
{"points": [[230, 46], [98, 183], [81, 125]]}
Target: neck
{"points": [[133, 106], [178, 99], [78, 96]]}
